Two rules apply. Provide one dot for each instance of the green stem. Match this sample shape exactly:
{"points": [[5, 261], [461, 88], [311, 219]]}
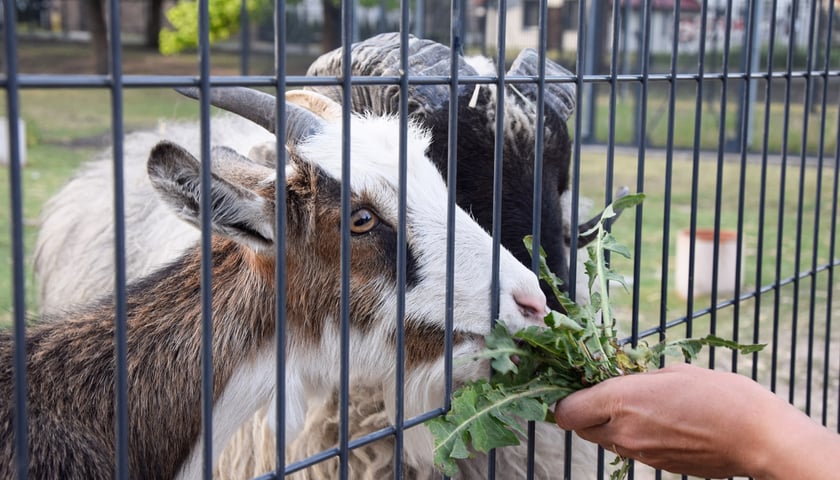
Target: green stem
{"points": [[600, 266]]}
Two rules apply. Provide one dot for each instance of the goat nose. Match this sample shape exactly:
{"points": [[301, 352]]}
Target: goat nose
{"points": [[531, 305]]}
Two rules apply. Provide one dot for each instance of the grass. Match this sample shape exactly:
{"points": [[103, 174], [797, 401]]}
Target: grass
{"points": [[626, 117], [774, 249], [47, 168]]}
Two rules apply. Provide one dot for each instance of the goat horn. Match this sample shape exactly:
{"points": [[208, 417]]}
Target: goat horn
{"points": [[379, 56], [259, 107], [585, 235], [560, 97]]}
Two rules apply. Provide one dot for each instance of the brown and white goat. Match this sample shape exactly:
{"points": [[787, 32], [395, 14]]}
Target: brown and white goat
{"points": [[73, 229], [70, 363]]}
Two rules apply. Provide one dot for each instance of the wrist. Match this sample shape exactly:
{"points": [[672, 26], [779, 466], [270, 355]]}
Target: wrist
{"points": [[795, 446]]}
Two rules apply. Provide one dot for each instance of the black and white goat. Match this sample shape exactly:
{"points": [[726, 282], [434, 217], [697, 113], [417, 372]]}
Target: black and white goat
{"points": [[70, 361], [428, 104]]}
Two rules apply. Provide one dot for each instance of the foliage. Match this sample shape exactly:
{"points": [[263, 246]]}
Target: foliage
{"points": [[535, 367], [224, 20], [223, 16]]}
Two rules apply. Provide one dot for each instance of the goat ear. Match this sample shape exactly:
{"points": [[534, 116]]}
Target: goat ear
{"points": [[239, 212]]}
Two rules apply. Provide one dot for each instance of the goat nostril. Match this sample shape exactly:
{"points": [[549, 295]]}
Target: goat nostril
{"points": [[531, 306]]}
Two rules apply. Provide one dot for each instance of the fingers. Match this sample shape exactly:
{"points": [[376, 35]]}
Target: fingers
{"points": [[587, 408]]}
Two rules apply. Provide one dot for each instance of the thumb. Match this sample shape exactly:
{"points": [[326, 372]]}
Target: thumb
{"points": [[586, 408]]}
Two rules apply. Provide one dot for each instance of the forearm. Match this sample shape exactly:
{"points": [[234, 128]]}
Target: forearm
{"points": [[797, 447]]}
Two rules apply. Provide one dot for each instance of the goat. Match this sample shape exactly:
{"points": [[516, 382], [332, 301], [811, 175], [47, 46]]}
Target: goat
{"points": [[70, 362]]}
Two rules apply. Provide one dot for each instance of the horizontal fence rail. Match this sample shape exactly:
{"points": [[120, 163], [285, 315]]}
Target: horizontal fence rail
{"points": [[726, 114]]}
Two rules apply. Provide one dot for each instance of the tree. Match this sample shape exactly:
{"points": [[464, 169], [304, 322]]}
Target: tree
{"points": [[98, 34], [154, 23], [331, 29], [98, 27], [224, 21]]}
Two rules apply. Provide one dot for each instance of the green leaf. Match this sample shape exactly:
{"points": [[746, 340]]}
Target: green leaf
{"points": [[627, 201], [575, 351], [715, 341], [500, 348], [610, 243]]}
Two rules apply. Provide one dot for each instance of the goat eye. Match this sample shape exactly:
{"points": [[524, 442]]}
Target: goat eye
{"points": [[363, 221]]}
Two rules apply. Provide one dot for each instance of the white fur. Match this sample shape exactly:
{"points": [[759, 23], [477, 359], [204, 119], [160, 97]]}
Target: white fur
{"points": [[249, 388], [426, 226]]}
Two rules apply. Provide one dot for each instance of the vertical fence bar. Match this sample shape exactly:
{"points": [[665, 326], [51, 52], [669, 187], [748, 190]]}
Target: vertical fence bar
{"points": [[244, 38], [719, 180], [399, 413], [497, 182], [120, 337], [456, 44], [206, 260], [833, 245], [695, 169], [610, 165], [614, 84], [768, 90], [781, 213], [498, 157], [640, 167], [347, 34], [669, 168], [280, 243], [833, 233], [809, 67], [745, 128], [536, 204], [580, 67], [667, 194], [640, 179], [16, 203]]}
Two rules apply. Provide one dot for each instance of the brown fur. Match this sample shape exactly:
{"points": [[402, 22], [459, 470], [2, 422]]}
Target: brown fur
{"points": [[71, 377]]}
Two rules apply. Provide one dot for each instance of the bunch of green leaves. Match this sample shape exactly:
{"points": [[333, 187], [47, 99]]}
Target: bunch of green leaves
{"points": [[535, 367]]}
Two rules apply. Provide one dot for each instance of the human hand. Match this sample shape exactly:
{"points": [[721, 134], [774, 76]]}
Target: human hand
{"points": [[696, 421]]}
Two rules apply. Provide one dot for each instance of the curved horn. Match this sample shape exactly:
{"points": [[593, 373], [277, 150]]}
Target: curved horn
{"points": [[379, 56], [560, 97], [259, 107]]}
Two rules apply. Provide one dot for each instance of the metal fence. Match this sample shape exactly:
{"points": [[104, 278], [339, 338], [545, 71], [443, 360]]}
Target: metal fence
{"points": [[724, 113]]}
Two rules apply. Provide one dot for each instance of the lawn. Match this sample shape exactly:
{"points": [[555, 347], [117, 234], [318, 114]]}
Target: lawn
{"points": [[656, 124]]}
